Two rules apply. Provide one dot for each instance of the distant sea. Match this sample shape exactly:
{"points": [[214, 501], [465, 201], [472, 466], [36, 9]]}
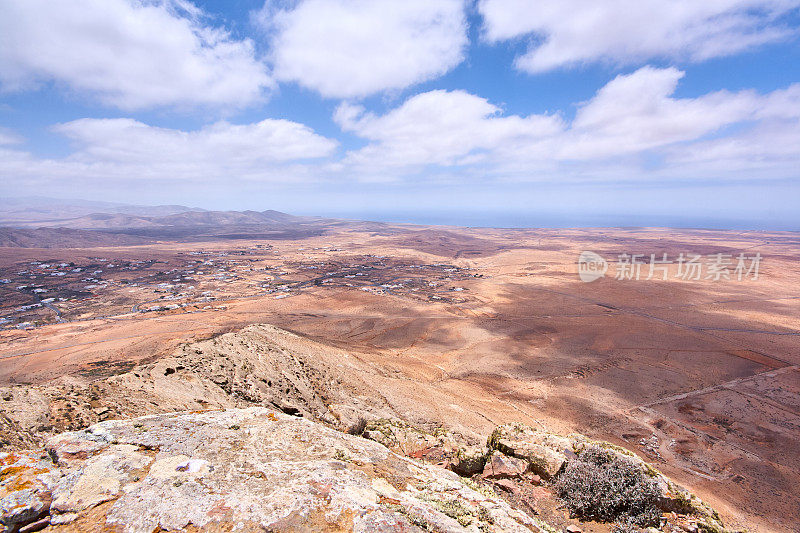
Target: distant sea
{"points": [[571, 220]]}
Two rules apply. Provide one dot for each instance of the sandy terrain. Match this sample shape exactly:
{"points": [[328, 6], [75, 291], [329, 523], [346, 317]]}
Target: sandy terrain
{"points": [[471, 328]]}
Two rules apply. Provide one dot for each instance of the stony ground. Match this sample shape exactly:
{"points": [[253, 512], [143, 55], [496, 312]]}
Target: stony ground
{"points": [[257, 469], [248, 469]]}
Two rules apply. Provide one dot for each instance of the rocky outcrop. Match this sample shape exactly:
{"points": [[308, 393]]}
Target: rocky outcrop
{"points": [[523, 464], [260, 365], [544, 452], [258, 468], [25, 481], [241, 469], [441, 447]]}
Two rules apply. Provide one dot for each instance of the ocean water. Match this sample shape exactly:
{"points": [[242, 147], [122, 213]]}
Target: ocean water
{"points": [[572, 220]]}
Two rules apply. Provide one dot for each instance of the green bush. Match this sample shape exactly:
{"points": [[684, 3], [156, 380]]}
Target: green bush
{"points": [[600, 485]]}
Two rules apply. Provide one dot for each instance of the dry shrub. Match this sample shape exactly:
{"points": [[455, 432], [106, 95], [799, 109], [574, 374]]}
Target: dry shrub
{"points": [[358, 427], [601, 486]]}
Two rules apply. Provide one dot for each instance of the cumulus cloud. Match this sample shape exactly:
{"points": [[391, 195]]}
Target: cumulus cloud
{"points": [[632, 116], [439, 127], [770, 143], [354, 48], [127, 140], [125, 149], [636, 112], [565, 33], [632, 128], [131, 54]]}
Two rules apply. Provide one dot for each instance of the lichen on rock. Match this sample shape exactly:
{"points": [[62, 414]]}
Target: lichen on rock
{"points": [[544, 452], [252, 468]]}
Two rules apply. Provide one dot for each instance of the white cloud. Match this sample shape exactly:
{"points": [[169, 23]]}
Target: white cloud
{"points": [[634, 128], [771, 143], [353, 48], [439, 127], [572, 32], [130, 54], [633, 117], [125, 149], [636, 112], [9, 137], [125, 140]]}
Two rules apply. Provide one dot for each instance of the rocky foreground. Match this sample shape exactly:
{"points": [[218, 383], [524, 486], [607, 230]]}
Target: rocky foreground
{"points": [[257, 469]]}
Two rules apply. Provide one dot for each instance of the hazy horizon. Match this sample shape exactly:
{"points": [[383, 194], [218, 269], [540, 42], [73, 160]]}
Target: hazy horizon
{"points": [[519, 218]]}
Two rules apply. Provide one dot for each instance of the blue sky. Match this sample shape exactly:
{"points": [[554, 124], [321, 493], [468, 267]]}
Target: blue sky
{"points": [[496, 112]]}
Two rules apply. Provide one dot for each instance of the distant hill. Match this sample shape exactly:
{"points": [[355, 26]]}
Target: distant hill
{"points": [[227, 218], [65, 238], [47, 223], [53, 212], [101, 221], [79, 214]]}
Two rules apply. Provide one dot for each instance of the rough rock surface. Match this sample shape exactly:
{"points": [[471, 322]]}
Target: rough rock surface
{"points": [[240, 470], [25, 478], [441, 447], [259, 469], [500, 465], [545, 453], [260, 365]]}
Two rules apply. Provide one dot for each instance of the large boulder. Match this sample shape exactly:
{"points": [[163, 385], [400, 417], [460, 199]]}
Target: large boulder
{"points": [[249, 470], [439, 447], [500, 465], [468, 460], [544, 452], [401, 437]]}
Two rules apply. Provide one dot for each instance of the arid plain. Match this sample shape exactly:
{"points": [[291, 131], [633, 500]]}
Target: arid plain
{"points": [[469, 328]]}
